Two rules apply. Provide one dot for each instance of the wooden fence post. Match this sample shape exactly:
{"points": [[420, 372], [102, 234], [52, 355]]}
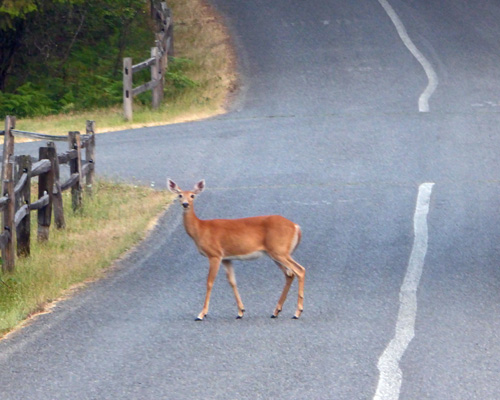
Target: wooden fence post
{"points": [[165, 36], [170, 33], [8, 189], [46, 186], [75, 167], [162, 45], [90, 156], [15, 202], [158, 61], [156, 77], [8, 256], [127, 88], [8, 145], [23, 231], [57, 192]]}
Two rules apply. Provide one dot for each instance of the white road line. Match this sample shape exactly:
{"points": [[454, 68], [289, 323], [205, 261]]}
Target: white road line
{"points": [[391, 377], [423, 101]]}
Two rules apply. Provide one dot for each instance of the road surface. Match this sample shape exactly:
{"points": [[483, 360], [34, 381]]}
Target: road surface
{"points": [[397, 197]]}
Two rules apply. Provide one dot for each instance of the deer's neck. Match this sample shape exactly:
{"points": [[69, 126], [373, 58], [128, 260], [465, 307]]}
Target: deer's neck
{"points": [[191, 223]]}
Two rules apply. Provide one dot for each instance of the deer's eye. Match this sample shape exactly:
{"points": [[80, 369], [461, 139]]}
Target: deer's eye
{"points": [[192, 196], [180, 196]]}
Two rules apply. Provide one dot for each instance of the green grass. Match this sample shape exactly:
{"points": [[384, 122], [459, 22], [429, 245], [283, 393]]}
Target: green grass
{"points": [[111, 222]]}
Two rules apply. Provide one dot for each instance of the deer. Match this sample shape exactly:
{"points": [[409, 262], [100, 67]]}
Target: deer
{"points": [[226, 240]]}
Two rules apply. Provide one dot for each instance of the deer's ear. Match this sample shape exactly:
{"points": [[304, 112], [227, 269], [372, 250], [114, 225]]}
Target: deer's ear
{"points": [[172, 186], [199, 187]]}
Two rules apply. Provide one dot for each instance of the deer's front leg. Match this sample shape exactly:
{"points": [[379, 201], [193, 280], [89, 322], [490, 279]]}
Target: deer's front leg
{"points": [[228, 265], [212, 273]]}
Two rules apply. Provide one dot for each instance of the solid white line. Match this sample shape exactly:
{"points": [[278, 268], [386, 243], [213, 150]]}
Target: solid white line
{"points": [[391, 377], [423, 101]]}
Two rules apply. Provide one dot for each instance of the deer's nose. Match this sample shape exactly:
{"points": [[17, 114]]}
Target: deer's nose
{"points": [[185, 205]]}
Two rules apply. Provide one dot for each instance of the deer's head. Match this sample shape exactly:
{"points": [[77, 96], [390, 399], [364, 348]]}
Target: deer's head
{"points": [[186, 197]]}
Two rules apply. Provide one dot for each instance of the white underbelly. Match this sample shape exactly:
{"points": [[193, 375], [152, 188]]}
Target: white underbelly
{"points": [[249, 256]]}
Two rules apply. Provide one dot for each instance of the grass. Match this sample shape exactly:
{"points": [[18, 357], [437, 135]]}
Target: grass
{"points": [[202, 44], [111, 222]]}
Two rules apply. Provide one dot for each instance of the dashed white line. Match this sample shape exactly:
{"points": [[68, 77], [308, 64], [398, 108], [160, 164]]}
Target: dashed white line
{"points": [[423, 101], [391, 376]]}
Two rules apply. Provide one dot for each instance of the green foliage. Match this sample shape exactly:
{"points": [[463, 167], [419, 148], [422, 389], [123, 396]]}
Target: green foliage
{"points": [[88, 91], [60, 56], [28, 100], [91, 91], [13, 9], [176, 80], [176, 73], [66, 55]]}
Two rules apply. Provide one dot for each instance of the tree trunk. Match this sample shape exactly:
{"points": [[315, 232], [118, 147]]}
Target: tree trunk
{"points": [[10, 42]]}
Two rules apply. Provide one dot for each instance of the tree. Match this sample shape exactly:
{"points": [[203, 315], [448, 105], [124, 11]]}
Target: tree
{"points": [[11, 10], [65, 50], [12, 16]]}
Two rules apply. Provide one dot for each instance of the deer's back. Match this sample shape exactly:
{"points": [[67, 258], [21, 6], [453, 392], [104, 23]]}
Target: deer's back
{"points": [[247, 237]]}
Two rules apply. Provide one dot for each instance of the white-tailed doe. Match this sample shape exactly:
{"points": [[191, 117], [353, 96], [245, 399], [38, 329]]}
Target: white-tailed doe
{"points": [[224, 240]]}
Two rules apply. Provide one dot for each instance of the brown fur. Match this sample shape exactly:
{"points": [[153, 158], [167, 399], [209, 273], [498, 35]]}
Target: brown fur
{"points": [[222, 240]]}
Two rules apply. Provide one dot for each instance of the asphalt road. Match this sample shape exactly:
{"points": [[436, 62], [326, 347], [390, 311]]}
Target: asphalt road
{"points": [[327, 132]]}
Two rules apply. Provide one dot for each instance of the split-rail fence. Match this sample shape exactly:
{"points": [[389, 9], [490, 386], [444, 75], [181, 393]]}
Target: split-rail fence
{"points": [[17, 172], [158, 61]]}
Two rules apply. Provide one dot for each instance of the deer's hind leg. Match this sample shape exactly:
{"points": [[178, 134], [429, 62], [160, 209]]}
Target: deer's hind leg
{"points": [[300, 272], [288, 282], [228, 266]]}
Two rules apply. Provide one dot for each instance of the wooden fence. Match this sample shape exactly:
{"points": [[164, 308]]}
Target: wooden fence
{"points": [[158, 61], [17, 173]]}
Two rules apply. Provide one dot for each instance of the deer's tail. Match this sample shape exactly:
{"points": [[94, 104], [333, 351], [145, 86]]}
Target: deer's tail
{"points": [[297, 238]]}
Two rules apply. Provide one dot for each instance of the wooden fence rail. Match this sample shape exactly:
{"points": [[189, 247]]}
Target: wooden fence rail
{"points": [[17, 172], [157, 63]]}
